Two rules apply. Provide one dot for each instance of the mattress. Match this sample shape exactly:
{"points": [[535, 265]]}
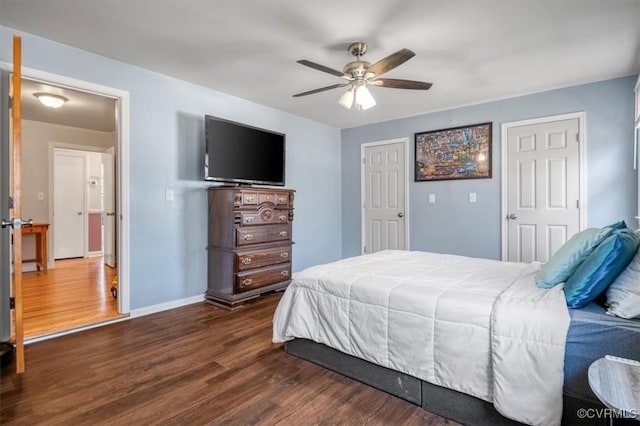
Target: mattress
{"points": [[477, 326], [593, 334]]}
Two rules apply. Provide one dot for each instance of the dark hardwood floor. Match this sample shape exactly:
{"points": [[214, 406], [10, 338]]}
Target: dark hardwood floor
{"points": [[192, 365]]}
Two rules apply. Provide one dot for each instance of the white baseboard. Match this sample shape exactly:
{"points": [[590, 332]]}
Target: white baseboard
{"points": [[148, 310], [140, 312]]}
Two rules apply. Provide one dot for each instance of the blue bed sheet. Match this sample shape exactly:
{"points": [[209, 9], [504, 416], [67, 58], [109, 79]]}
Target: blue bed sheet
{"points": [[593, 334]]}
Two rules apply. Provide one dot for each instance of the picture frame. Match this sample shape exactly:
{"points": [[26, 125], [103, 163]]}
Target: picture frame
{"points": [[462, 152]]}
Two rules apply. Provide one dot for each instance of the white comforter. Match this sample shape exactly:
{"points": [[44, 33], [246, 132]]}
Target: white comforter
{"points": [[478, 326]]}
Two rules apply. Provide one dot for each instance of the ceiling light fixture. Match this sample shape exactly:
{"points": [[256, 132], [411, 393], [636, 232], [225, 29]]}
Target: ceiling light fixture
{"points": [[361, 95], [51, 100]]}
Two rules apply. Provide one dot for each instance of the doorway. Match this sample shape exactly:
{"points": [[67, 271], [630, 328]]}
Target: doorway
{"points": [[384, 182], [65, 152], [542, 185]]}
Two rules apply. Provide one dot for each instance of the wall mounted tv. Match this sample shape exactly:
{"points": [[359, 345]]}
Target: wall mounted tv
{"points": [[237, 153]]}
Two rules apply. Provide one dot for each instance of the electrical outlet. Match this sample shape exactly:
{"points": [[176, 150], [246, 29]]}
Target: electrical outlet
{"points": [[168, 194], [432, 198], [473, 197]]}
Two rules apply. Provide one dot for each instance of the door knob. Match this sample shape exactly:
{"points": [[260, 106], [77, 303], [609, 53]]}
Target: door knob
{"points": [[16, 223], [512, 216], [111, 213], [400, 214], [79, 213]]}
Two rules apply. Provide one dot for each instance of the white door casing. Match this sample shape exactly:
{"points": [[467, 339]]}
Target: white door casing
{"points": [[384, 195], [108, 213], [542, 186], [69, 211]]}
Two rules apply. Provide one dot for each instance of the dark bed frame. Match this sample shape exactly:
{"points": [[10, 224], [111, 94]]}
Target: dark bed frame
{"points": [[445, 402]]}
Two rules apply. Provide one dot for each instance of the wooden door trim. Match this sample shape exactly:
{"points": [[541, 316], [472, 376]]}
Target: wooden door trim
{"points": [[122, 167], [363, 225], [582, 167]]}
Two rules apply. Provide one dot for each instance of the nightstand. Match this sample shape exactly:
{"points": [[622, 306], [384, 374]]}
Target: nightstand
{"points": [[616, 383]]}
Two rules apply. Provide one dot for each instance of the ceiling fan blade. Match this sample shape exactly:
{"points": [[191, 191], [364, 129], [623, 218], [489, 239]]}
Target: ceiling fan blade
{"points": [[321, 68], [395, 83], [322, 89], [391, 61]]}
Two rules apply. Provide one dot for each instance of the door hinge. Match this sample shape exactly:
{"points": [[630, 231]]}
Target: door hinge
{"points": [[577, 204], [364, 249], [10, 202], [10, 102], [12, 303], [578, 137], [364, 160]]}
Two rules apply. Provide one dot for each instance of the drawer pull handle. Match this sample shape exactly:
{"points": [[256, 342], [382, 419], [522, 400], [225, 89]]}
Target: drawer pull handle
{"points": [[248, 219], [282, 218], [246, 282], [284, 255], [246, 260], [283, 233], [248, 237], [250, 199], [284, 273], [282, 199]]}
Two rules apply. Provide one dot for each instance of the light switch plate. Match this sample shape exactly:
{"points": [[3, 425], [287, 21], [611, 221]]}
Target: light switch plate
{"points": [[432, 198], [473, 197], [168, 194]]}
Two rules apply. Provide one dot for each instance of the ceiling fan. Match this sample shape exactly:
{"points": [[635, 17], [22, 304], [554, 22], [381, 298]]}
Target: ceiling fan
{"points": [[358, 74]]}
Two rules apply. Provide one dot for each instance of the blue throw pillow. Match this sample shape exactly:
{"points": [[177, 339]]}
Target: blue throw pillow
{"points": [[568, 257], [601, 268], [618, 225]]}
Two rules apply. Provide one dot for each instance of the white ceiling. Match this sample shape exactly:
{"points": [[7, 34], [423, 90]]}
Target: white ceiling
{"points": [[82, 109], [471, 50]]}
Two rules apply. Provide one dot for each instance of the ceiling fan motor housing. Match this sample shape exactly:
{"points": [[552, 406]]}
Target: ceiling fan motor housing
{"points": [[357, 69]]}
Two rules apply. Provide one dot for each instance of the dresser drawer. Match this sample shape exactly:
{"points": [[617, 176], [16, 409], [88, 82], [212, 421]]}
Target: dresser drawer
{"points": [[257, 259], [264, 216], [261, 234], [249, 198], [256, 278], [282, 199]]}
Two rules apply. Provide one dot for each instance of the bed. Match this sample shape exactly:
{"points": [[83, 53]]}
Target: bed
{"points": [[471, 339]]}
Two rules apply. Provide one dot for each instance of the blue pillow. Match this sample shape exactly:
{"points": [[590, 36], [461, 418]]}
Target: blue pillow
{"points": [[618, 225], [601, 268], [568, 257]]}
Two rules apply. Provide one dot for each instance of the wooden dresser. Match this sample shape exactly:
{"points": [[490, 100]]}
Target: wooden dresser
{"points": [[249, 251]]}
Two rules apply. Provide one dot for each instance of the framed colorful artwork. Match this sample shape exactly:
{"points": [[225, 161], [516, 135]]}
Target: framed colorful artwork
{"points": [[456, 153]]}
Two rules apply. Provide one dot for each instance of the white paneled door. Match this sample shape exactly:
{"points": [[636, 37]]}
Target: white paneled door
{"points": [[543, 188], [68, 204], [384, 197]]}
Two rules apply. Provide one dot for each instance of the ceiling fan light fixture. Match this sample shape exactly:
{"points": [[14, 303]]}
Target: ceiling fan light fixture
{"points": [[364, 99], [50, 100], [346, 100]]}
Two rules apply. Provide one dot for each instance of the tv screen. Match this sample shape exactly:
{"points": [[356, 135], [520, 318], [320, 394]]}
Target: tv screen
{"points": [[238, 153]]}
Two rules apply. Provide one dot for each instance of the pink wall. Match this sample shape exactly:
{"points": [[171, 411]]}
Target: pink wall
{"points": [[95, 231]]}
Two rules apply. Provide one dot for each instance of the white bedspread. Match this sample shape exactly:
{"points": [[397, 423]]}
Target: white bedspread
{"points": [[478, 326]]}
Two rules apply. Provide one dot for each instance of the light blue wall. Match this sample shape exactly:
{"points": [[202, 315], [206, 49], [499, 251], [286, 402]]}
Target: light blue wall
{"points": [[452, 224], [168, 239]]}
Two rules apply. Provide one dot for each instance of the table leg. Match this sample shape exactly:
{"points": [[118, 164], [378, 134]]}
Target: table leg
{"points": [[38, 251]]}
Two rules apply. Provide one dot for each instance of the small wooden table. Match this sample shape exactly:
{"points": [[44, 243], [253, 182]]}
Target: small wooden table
{"points": [[616, 383], [40, 231]]}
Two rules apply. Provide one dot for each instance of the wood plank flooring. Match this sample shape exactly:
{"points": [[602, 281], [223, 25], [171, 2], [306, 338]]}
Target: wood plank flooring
{"points": [[193, 365], [74, 294]]}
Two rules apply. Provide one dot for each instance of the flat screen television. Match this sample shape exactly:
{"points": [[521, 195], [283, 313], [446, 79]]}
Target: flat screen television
{"points": [[241, 154]]}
